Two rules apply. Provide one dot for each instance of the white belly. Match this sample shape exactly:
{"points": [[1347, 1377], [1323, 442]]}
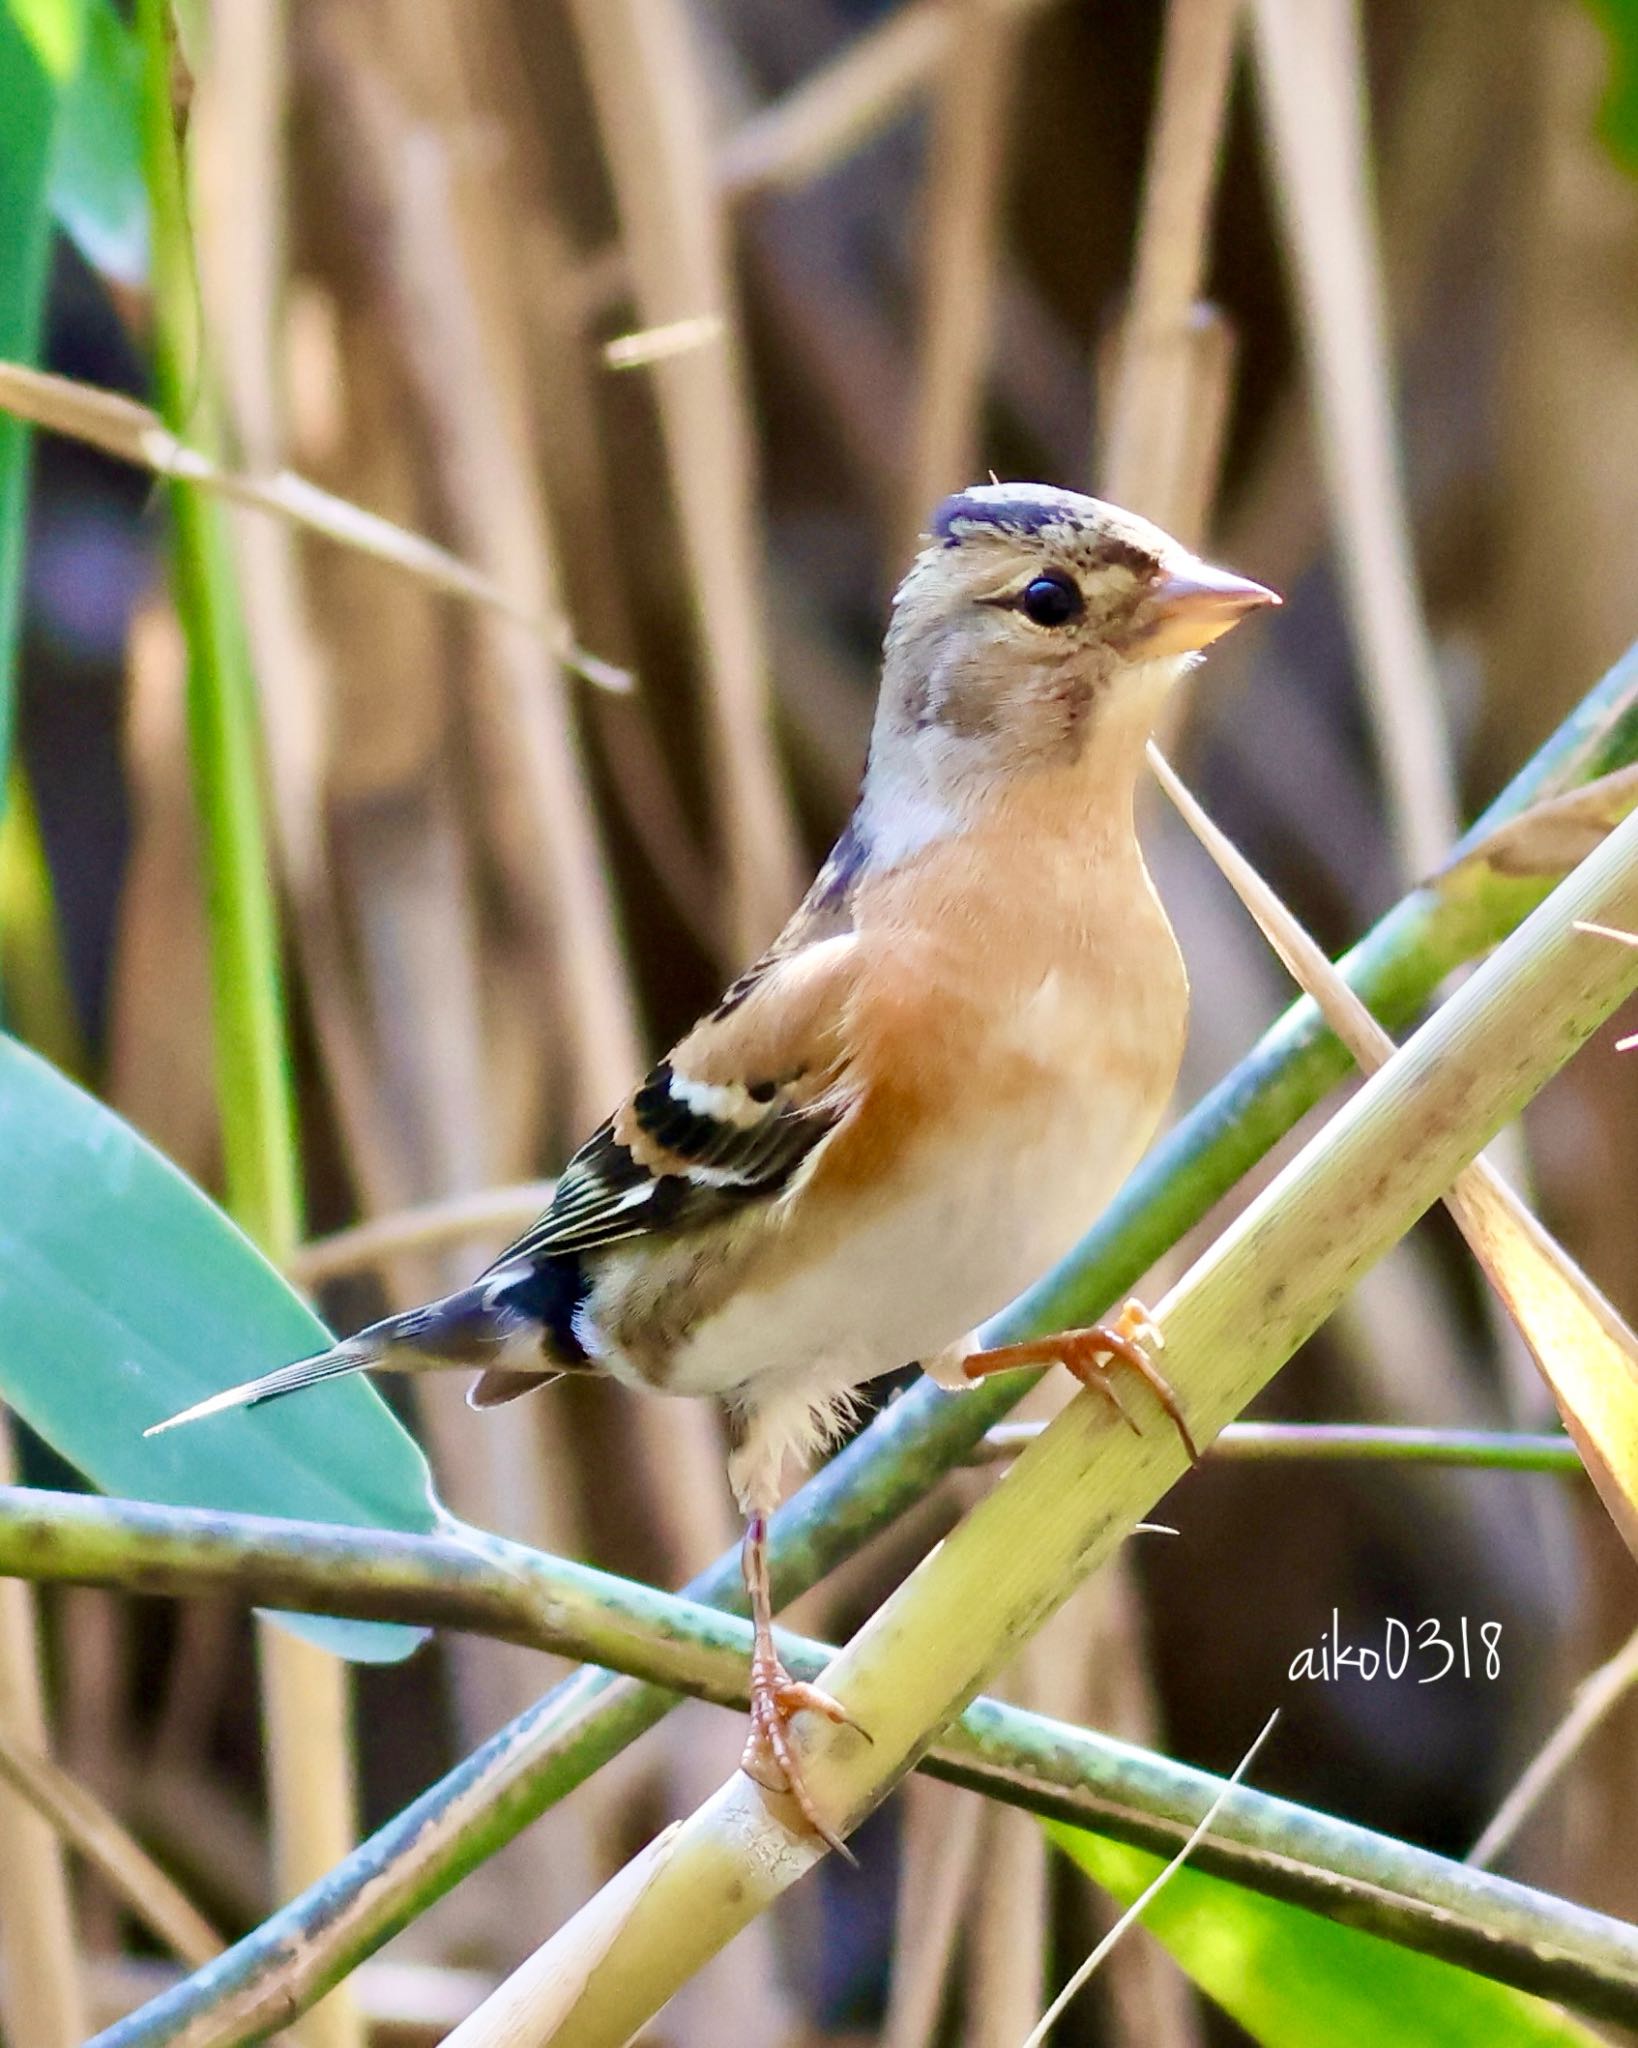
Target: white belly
{"points": [[963, 1233]]}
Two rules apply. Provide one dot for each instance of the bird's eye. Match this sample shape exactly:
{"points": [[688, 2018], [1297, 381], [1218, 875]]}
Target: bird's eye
{"points": [[1052, 600]]}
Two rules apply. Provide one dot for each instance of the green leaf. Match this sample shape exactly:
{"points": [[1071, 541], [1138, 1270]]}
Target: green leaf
{"points": [[97, 190], [28, 97], [1292, 1978], [125, 1295]]}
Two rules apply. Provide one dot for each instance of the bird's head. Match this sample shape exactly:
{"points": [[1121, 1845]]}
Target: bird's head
{"points": [[1032, 622]]}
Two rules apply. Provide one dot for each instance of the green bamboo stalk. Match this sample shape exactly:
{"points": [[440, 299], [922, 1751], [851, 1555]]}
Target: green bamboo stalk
{"points": [[252, 1066], [537, 1759], [1258, 1293], [1523, 1937], [305, 1691]]}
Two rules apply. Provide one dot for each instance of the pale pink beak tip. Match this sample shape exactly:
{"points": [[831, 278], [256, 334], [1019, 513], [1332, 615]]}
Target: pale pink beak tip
{"points": [[1197, 603]]}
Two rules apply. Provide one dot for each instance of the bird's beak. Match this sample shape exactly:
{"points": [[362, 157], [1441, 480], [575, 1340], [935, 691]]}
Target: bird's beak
{"points": [[1194, 604]]}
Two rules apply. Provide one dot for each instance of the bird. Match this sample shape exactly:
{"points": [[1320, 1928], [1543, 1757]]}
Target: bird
{"points": [[929, 1085]]}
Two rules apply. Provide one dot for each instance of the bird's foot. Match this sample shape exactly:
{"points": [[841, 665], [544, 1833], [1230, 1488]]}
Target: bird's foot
{"points": [[770, 1754], [1092, 1355]]}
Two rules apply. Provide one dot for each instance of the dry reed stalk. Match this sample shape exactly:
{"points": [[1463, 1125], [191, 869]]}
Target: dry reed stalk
{"points": [[312, 1791], [499, 1212], [97, 1834], [42, 1994], [651, 105], [1152, 454], [1308, 55], [1596, 1698], [1458, 80], [962, 196], [211, 1833], [846, 102], [93, 1739], [241, 239], [409, 2004], [1432, 148], [1009, 1909], [566, 389], [938, 1848], [1149, 1998], [419, 947], [446, 266], [447, 270], [840, 106], [135, 433], [159, 1068]]}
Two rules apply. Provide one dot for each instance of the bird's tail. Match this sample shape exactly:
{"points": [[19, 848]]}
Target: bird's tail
{"points": [[469, 1328]]}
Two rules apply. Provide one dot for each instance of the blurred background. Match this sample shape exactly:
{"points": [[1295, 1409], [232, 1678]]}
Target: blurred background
{"points": [[1346, 293]]}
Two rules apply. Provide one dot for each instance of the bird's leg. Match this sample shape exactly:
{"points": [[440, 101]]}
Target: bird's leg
{"points": [[1091, 1355], [770, 1756]]}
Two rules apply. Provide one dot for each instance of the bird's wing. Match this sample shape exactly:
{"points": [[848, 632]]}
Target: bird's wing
{"points": [[726, 1118]]}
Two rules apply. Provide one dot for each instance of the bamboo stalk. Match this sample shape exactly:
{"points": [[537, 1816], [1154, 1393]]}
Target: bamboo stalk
{"points": [[1342, 1202], [1025, 1759], [485, 1800]]}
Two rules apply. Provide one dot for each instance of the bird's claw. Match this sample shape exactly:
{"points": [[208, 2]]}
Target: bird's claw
{"points": [[770, 1754], [1091, 1355]]}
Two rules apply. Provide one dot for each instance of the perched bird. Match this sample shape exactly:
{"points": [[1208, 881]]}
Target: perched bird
{"points": [[933, 1080]]}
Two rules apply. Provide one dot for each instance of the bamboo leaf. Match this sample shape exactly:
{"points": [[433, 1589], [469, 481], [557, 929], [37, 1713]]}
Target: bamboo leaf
{"points": [[124, 1294], [97, 193], [1291, 1977]]}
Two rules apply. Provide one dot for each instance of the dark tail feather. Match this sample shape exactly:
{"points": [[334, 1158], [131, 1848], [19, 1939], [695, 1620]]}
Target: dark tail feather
{"points": [[461, 1329]]}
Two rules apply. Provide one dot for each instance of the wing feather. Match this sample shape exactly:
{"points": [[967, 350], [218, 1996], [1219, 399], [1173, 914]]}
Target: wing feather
{"points": [[726, 1120]]}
